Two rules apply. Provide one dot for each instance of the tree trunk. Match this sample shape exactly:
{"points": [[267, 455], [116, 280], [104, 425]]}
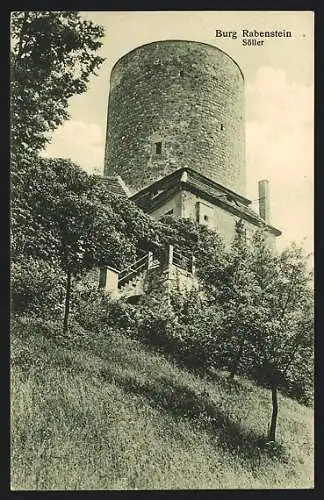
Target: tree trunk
{"points": [[236, 362], [67, 301], [273, 425]]}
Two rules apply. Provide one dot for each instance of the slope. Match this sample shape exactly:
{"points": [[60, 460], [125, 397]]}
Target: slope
{"points": [[102, 411]]}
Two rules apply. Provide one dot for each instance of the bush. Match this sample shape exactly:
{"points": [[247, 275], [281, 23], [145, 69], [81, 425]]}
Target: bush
{"points": [[182, 326], [299, 384], [37, 286], [157, 324], [90, 308], [122, 315], [95, 311]]}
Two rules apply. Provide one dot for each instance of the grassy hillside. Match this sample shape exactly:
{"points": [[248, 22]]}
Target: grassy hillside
{"points": [[104, 412]]}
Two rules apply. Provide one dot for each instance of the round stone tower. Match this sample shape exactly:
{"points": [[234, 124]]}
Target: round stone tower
{"points": [[172, 104]]}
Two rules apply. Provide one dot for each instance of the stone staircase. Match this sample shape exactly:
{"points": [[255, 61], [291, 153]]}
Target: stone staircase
{"points": [[132, 281], [136, 279]]}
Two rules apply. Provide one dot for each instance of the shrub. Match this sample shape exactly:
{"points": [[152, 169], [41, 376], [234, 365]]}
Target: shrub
{"points": [[90, 308], [182, 326], [96, 311], [37, 286], [122, 315], [299, 384], [157, 324]]}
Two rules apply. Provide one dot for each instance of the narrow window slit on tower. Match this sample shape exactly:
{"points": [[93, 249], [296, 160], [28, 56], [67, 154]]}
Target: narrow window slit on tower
{"points": [[222, 127], [181, 72], [158, 148]]}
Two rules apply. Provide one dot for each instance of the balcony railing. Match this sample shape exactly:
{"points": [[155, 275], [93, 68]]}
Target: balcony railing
{"points": [[149, 261], [130, 272]]}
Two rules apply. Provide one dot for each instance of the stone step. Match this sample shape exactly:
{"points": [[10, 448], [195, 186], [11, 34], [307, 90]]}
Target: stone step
{"points": [[132, 283]]}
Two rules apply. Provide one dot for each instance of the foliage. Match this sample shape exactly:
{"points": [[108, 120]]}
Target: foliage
{"points": [[122, 315], [64, 215], [254, 317], [278, 329], [65, 220], [68, 215], [53, 55], [180, 325], [63, 223], [238, 296], [36, 286], [191, 238], [286, 299], [90, 308], [95, 311], [157, 323], [131, 221], [266, 301]]}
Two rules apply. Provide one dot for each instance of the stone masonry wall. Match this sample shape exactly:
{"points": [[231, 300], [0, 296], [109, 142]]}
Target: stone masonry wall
{"points": [[187, 95]]}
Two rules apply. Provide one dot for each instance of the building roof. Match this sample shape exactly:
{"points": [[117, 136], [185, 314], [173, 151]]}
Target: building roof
{"points": [[116, 185], [156, 194]]}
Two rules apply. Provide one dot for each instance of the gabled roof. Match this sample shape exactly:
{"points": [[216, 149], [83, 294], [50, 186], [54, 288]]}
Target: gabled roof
{"points": [[175, 176], [156, 194]]}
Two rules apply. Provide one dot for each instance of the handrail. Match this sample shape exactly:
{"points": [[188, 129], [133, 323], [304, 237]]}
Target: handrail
{"points": [[182, 262], [134, 264], [186, 269], [132, 273], [179, 255], [183, 258], [179, 260]]}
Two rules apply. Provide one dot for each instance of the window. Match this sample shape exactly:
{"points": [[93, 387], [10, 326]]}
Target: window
{"points": [[204, 213], [158, 148], [181, 72], [222, 127]]}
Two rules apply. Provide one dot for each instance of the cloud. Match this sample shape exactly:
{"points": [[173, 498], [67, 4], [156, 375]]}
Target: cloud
{"points": [[279, 140], [81, 142]]}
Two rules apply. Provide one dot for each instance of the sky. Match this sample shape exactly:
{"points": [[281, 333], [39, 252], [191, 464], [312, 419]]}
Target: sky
{"points": [[279, 94]]}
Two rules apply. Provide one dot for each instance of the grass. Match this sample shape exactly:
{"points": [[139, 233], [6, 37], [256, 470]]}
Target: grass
{"points": [[106, 413]]}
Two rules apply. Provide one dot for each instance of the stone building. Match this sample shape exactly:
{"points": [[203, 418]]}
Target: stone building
{"points": [[175, 104], [175, 139]]}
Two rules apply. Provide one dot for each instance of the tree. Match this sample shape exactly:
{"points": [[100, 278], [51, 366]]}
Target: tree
{"points": [[280, 337], [53, 55], [37, 287], [285, 340], [232, 287], [267, 334], [68, 222]]}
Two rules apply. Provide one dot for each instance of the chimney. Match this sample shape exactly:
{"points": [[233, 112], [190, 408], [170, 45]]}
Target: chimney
{"points": [[264, 202]]}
